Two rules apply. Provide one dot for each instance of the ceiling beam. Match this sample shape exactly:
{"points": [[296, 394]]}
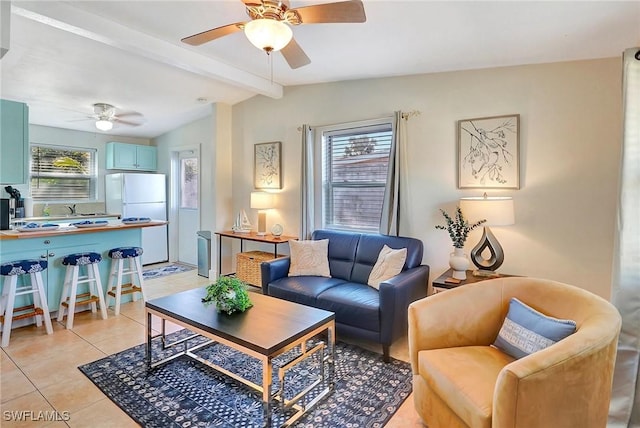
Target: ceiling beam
{"points": [[76, 21]]}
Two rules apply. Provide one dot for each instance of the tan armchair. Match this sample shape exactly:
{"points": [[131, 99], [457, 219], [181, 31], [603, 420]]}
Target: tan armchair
{"points": [[461, 381]]}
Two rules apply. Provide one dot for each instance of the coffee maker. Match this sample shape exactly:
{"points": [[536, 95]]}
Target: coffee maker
{"points": [[12, 208], [6, 214]]}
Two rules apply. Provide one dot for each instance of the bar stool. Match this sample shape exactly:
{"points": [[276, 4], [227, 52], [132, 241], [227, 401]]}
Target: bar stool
{"points": [[118, 270], [10, 289], [70, 297]]}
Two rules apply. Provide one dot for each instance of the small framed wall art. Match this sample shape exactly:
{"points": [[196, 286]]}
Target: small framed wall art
{"points": [[489, 152], [267, 165]]}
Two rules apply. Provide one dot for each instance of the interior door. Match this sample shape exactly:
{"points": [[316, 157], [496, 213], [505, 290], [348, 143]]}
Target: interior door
{"points": [[188, 196]]}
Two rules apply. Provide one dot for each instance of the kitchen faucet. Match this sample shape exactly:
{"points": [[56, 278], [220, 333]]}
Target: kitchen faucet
{"points": [[72, 208]]}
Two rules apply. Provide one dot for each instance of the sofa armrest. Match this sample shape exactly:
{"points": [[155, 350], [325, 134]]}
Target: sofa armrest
{"points": [[272, 270], [395, 296]]}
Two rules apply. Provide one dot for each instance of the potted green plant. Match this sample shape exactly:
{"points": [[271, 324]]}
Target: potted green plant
{"points": [[229, 295], [458, 228]]}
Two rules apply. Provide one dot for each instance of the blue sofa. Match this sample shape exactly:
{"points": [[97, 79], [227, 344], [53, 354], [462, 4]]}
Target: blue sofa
{"points": [[361, 311]]}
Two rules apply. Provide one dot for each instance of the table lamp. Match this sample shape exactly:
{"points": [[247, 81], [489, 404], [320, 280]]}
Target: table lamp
{"points": [[262, 201], [497, 211]]}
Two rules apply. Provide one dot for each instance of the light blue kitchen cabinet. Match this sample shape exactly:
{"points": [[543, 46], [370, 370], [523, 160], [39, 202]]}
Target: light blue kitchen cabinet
{"points": [[54, 248], [131, 157], [14, 142]]}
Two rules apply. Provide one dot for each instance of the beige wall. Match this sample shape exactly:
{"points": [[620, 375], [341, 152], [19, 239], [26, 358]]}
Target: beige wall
{"points": [[570, 134]]}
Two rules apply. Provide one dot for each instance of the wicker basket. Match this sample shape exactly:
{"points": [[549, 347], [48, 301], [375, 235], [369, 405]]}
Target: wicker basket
{"points": [[248, 266]]}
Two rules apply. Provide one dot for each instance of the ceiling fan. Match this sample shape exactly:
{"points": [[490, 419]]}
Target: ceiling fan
{"points": [[269, 28], [105, 116]]}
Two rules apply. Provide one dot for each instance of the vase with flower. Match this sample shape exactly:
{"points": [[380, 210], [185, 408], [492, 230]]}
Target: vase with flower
{"points": [[458, 228]]}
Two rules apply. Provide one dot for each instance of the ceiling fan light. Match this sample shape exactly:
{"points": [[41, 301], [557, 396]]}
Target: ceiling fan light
{"points": [[268, 34], [104, 125]]}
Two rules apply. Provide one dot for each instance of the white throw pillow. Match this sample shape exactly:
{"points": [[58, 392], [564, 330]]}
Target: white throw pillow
{"points": [[309, 258], [389, 264]]}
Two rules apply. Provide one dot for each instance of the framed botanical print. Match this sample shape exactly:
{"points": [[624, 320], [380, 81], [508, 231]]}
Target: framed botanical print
{"points": [[267, 165], [489, 152]]}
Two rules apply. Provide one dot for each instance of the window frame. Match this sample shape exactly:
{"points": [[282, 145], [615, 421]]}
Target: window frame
{"points": [[321, 187], [92, 176]]}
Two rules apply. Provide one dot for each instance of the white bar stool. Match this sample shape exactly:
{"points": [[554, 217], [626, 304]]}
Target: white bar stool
{"points": [[118, 270], [10, 289], [70, 297]]}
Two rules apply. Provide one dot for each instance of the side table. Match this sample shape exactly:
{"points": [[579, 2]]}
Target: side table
{"points": [[440, 282], [251, 236]]}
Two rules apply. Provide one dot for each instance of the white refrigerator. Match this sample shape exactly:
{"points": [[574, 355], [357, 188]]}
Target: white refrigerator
{"points": [[141, 195]]}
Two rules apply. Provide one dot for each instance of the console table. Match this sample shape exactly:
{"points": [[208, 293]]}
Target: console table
{"points": [[251, 236]]}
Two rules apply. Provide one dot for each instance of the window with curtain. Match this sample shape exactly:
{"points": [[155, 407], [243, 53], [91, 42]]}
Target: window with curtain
{"points": [[355, 161], [62, 173]]}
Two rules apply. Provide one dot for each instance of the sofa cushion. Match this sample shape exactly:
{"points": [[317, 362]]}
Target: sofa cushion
{"points": [[309, 258], [389, 264], [369, 248], [342, 251], [526, 330], [302, 289], [464, 378], [354, 304]]}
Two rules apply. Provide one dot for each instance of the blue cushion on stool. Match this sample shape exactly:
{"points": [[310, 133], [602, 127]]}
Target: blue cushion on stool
{"points": [[81, 259], [125, 252], [21, 267]]}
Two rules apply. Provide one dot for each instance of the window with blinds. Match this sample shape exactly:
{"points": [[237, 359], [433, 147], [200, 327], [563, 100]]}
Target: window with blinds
{"points": [[62, 173], [355, 161]]}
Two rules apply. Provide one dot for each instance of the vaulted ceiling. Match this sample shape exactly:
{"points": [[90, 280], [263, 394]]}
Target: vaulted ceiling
{"points": [[65, 56]]}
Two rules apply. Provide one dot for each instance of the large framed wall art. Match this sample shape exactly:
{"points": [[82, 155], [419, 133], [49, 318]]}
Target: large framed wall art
{"points": [[267, 165], [489, 152]]}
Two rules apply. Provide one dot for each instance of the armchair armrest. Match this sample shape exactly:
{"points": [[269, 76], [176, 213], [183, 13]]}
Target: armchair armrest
{"points": [[272, 270], [395, 296]]}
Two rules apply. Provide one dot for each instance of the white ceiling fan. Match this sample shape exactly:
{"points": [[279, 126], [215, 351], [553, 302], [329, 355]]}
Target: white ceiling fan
{"points": [[105, 116]]}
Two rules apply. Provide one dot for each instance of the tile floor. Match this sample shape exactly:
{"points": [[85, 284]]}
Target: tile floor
{"points": [[39, 376]]}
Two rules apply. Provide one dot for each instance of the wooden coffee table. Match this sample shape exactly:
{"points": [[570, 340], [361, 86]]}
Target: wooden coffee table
{"points": [[271, 327]]}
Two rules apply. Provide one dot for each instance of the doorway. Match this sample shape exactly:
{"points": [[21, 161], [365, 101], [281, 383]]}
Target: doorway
{"points": [[186, 204]]}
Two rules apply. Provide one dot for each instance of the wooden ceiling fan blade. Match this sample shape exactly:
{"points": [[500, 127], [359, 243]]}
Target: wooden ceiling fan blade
{"points": [[344, 11], [129, 114], [294, 55], [215, 33]]}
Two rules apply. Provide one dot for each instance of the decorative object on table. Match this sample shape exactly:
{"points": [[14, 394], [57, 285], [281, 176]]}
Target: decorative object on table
{"points": [[267, 166], [179, 393], [242, 223], [277, 230], [488, 152], [229, 294], [458, 229], [497, 211], [262, 201]]}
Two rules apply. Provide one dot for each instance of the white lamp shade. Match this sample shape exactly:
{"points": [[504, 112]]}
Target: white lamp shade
{"points": [[268, 34], [104, 125], [261, 200], [498, 211]]}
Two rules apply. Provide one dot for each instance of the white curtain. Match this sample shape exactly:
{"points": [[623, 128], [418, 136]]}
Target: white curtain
{"points": [[625, 401], [306, 184], [390, 219]]}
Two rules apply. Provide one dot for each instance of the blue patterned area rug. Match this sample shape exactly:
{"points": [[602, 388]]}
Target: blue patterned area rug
{"points": [[185, 392], [157, 272]]}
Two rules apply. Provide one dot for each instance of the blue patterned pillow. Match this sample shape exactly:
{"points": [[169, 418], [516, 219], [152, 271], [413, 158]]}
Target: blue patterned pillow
{"points": [[526, 330]]}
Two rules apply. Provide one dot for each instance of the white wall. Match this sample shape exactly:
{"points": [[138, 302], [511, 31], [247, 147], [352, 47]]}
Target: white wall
{"points": [[91, 140], [570, 135], [212, 136]]}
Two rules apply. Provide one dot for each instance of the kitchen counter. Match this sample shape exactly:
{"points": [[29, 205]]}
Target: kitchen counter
{"points": [[54, 245], [72, 230]]}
